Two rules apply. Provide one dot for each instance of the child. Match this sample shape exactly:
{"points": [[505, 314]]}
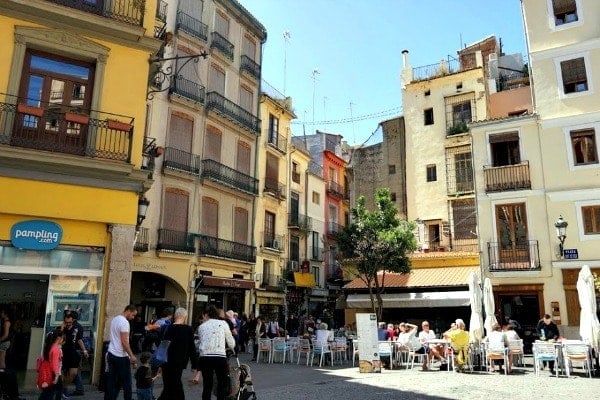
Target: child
{"points": [[53, 353], [144, 379]]}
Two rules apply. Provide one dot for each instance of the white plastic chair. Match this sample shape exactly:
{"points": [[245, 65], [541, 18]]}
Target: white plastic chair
{"points": [[544, 352], [294, 344], [280, 346], [497, 351], [413, 347], [386, 350], [341, 348], [304, 348], [264, 347], [515, 350], [321, 349], [401, 352], [577, 353]]}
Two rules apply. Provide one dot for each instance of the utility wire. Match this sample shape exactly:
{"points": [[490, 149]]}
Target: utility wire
{"points": [[379, 114]]}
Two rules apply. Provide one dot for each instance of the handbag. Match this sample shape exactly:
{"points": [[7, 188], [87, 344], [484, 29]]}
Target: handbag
{"points": [[161, 354]]}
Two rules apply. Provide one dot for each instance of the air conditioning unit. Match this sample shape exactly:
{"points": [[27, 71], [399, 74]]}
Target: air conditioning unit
{"points": [[276, 244]]}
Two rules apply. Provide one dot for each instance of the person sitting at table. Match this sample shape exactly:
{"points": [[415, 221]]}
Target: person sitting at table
{"points": [[548, 330], [459, 341], [496, 340], [382, 333], [510, 332], [431, 350], [322, 333], [407, 331]]}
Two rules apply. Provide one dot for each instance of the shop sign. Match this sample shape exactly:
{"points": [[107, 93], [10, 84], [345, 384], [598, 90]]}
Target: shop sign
{"points": [[227, 282], [36, 235]]}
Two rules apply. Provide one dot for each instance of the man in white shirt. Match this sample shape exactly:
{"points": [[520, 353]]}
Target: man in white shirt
{"points": [[120, 356], [431, 350]]}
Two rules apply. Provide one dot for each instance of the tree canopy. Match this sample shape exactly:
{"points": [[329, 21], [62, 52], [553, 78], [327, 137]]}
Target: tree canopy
{"points": [[376, 242]]}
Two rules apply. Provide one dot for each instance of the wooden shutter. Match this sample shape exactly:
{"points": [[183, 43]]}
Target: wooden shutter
{"points": [[573, 71], [249, 47], [240, 225], [216, 80], [243, 157], [222, 25], [210, 217], [212, 144], [272, 171], [246, 98], [180, 133], [175, 210]]}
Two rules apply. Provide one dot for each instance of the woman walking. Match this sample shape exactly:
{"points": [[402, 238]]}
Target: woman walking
{"points": [[214, 334], [181, 350], [53, 353]]}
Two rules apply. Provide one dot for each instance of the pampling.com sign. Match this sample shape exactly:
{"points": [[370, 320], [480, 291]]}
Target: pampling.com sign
{"points": [[36, 235]]}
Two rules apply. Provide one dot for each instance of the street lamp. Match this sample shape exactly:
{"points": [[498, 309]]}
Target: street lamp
{"points": [[561, 232], [143, 204]]}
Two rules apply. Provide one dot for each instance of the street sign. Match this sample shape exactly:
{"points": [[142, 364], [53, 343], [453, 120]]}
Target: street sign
{"points": [[570, 254]]}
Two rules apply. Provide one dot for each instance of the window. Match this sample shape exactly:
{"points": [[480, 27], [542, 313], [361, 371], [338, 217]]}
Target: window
{"points": [[248, 47], [269, 235], [393, 196], [295, 173], [246, 98], [240, 225], [591, 220], [460, 110], [272, 174], [273, 129], [463, 169], [511, 226], [461, 113], [459, 86], [427, 92], [212, 144], [431, 173], [316, 274], [584, 147], [574, 76], [216, 79], [210, 217], [222, 25], [316, 198], [175, 210], [565, 11], [180, 132], [243, 157], [428, 115], [464, 219], [391, 169], [504, 149], [294, 248]]}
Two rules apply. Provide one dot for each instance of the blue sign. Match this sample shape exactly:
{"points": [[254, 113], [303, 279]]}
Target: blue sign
{"points": [[570, 254], [36, 235]]}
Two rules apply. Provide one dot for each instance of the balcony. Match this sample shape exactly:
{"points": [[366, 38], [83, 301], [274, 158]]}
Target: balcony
{"points": [[274, 188], [224, 175], [182, 161], [249, 66], [105, 136], [220, 43], [175, 241], [277, 141], [336, 190], [333, 229], [141, 241], [212, 246], [507, 177], [191, 26], [272, 241], [233, 112], [315, 253], [299, 221], [509, 80], [514, 257], [444, 67], [270, 281], [187, 89], [128, 11], [161, 11]]}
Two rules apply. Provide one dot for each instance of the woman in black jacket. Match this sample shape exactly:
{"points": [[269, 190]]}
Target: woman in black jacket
{"points": [[181, 350]]}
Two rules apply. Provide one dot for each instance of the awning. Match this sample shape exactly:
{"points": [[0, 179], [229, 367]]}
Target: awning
{"points": [[422, 278], [302, 279], [412, 300], [232, 283]]}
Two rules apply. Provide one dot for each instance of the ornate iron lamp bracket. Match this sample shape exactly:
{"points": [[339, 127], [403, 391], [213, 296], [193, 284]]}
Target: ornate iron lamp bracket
{"points": [[159, 75]]}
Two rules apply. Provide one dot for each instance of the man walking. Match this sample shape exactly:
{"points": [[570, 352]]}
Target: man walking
{"points": [[73, 349], [119, 356]]}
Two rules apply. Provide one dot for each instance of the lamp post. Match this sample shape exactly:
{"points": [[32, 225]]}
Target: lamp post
{"points": [[143, 204], [561, 232]]}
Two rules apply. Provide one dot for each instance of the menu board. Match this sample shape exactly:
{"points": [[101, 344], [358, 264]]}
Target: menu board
{"points": [[368, 344]]}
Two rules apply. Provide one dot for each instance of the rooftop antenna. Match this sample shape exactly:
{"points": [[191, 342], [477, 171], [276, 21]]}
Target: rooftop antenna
{"points": [[315, 72], [286, 41]]}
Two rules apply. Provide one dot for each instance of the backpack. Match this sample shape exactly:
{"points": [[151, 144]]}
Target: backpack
{"points": [[45, 377]]}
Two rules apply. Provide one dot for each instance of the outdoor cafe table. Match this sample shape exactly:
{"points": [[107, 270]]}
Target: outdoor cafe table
{"points": [[559, 347], [445, 346]]}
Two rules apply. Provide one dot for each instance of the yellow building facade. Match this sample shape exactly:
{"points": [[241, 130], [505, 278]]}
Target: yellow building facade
{"points": [[72, 114]]}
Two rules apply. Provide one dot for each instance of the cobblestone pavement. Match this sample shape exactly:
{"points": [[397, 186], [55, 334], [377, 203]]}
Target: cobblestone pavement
{"points": [[299, 382]]}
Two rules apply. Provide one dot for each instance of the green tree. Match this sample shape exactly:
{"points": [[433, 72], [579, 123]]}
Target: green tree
{"points": [[376, 242]]}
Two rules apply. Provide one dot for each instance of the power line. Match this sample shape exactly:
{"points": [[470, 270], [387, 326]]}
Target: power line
{"points": [[379, 114]]}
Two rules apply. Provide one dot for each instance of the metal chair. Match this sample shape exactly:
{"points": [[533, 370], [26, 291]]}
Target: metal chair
{"points": [[321, 349], [577, 353], [386, 350], [497, 351], [304, 348], [294, 344], [413, 347], [544, 352], [280, 346], [264, 346], [340, 347], [515, 350]]}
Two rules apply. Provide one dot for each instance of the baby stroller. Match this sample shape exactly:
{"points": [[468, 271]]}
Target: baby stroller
{"points": [[240, 380]]}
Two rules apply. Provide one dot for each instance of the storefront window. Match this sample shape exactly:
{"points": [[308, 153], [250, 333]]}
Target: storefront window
{"points": [[69, 257]]}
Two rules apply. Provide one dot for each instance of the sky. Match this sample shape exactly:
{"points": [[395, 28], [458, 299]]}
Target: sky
{"points": [[341, 61]]}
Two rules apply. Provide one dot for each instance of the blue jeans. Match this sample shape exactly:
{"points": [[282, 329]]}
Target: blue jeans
{"points": [[145, 394], [119, 375]]}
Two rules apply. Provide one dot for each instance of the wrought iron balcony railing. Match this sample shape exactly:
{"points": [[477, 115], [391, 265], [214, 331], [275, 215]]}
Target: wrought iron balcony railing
{"points": [[509, 80], [274, 188], [277, 141], [315, 253], [233, 112], [188, 89], [182, 161], [141, 242], [218, 172], [514, 256], [161, 10], [333, 228], [128, 11], [105, 135], [507, 177], [274, 282], [272, 241], [212, 246], [336, 189], [299, 221], [221, 43], [191, 26], [249, 66], [175, 241]]}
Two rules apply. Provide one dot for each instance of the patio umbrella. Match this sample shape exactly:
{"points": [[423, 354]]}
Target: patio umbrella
{"points": [[476, 322], [589, 327], [488, 304]]}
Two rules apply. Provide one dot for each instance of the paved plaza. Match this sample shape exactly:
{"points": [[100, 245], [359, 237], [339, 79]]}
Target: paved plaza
{"points": [[299, 382]]}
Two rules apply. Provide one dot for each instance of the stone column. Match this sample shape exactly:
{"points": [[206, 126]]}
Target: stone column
{"points": [[118, 285]]}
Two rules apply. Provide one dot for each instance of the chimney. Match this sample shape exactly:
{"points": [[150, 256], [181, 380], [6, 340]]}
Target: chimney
{"points": [[405, 58]]}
